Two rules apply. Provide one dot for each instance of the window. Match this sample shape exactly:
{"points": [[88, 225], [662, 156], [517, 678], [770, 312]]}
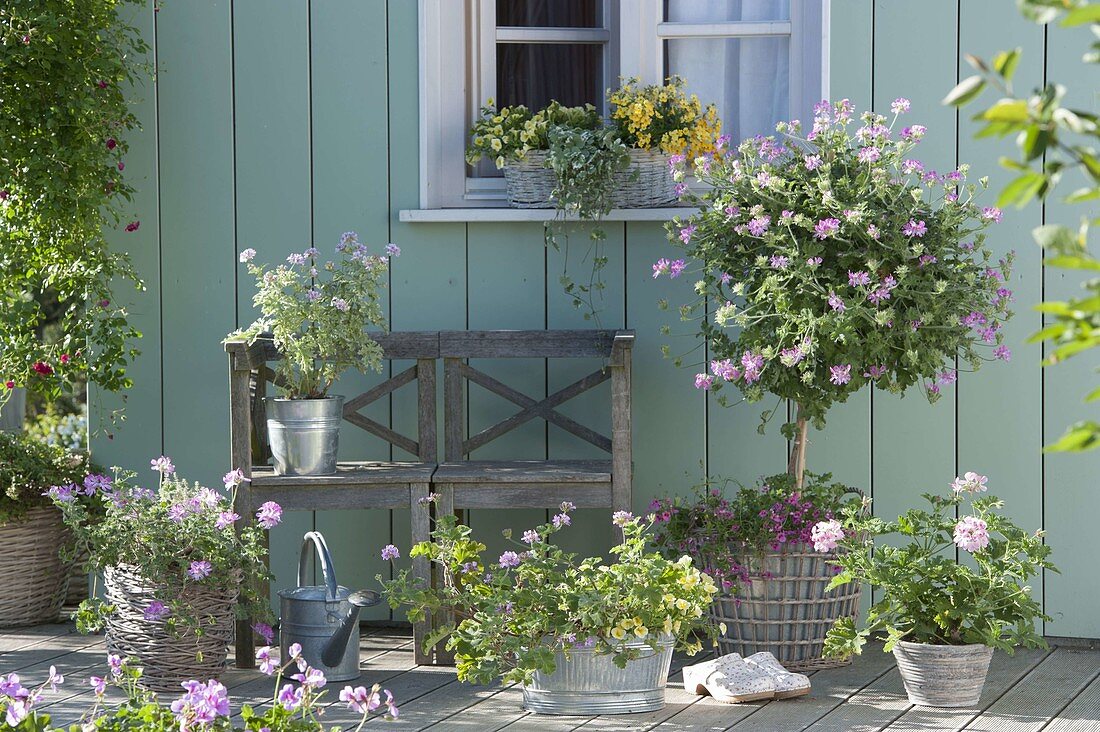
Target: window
{"points": [[759, 61]]}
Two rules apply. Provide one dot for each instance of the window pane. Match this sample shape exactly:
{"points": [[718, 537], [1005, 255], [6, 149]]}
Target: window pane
{"points": [[549, 13], [745, 78], [717, 11], [536, 73]]}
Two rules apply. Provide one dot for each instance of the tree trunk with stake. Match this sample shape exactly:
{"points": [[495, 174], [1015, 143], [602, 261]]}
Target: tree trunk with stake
{"points": [[796, 466]]}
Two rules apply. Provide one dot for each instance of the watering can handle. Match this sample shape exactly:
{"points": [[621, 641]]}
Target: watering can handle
{"points": [[314, 543]]}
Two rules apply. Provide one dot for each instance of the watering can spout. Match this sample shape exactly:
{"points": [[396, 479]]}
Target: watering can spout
{"points": [[334, 649]]}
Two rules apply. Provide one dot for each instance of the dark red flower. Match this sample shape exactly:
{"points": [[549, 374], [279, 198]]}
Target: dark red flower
{"points": [[104, 303], [121, 165], [101, 84], [26, 40], [64, 358], [10, 384], [43, 368], [133, 226], [4, 195], [111, 143]]}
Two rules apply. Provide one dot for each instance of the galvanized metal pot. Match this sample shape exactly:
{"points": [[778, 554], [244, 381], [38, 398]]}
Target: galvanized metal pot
{"points": [[587, 683], [943, 676], [304, 434], [323, 619]]}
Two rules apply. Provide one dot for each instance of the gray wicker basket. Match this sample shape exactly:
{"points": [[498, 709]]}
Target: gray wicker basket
{"points": [[168, 657], [34, 594], [785, 609], [530, 183]]}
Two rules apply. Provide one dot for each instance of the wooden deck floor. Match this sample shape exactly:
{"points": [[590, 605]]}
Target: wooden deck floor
{"points": [[1056, 690]]}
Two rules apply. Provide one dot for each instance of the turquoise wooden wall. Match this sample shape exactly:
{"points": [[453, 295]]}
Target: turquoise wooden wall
{"points": [[275, 126]]}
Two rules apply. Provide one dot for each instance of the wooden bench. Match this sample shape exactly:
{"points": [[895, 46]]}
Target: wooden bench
{"points": [[386, 485], [464, 484]]}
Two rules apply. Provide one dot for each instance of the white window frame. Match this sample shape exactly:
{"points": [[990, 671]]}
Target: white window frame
{"points": [[457, 54]]}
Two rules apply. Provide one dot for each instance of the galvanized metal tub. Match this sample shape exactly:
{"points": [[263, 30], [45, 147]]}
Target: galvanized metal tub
{"points": [[588, 683], [943, 676], [304, 434]]}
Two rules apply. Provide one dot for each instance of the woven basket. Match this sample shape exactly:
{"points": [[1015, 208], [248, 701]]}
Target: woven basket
{"points": [[33, 594], [78, 582], [646, 184], [789, 613], [166, 657]]}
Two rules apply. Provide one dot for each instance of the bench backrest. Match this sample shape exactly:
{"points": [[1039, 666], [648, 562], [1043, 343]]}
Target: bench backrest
{"points": [[250, 374], [615, 346]]}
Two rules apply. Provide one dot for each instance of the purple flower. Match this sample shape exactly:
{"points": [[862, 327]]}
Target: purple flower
{"points": [[561, 519], [704, 381], [269, 515], [676, 268], [62, 493], [393, 250], [99, 684], [814, 261], [836, 303], [340, 304], [234, 478], [725, 369], [177, 512], [660, 267], [778, 261], [17, 710], [992, 213], [225, 520], [200, 569], [914, 133], [732, 211], [901, 104], [622, 518], [509, 559], [359, 700], [266, 662], [296, 259], [686, 232], [313, 294], [760, 224], [311, 677], [812, 162], [912, 166], [869, 154], [840, 374], [858, 278], [156, 610], [290, 697], [971, 534], [470, 567], [390, 552], [915, 228], [162, 465], [826, 228], [752, 365], [248, 255], [927, 259], [1002, 352]]}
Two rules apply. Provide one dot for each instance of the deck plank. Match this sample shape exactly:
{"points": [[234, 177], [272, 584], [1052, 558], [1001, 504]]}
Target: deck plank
{"points": [[1005, 671], [1082, 714], [873, 708], [1042, 694]]}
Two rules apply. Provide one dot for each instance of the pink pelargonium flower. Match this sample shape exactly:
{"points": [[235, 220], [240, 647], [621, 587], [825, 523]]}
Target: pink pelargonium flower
{"points": [[971, 534], [704, 381], [390, 552], [311, 677], [686, 233], [915, 228], [264, 660], [156, 610], [825, 535], [840, 374], [290, 697], [162, 465], [725, 370], [360, 700], [970, 482], [225, 520], [234, 478], [269, 515], [264, 630], [826, 228], [200, 569]]}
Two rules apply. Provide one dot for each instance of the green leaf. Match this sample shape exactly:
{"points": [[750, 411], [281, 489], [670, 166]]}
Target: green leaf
{"points": [[964, 91], [1080, 437], [1093, 395], [1005, 63], [1022, 189], [1067, 261], [1083, 194], [1079, 16], [1007, 110]]}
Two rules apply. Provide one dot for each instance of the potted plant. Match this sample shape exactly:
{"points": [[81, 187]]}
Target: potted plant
{"points": [[833, 259], [31, 529], [602, 644], [940, 617], [203, 705], [316, 315], [775, 591], [176, 568]]}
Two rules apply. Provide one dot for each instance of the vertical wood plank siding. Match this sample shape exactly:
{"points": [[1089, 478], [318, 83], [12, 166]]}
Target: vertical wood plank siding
{"points": [[276, 130]]}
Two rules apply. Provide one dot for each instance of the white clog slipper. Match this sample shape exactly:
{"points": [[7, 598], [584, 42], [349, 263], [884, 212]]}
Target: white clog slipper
{"points": [[730, 680], [787, 684]]}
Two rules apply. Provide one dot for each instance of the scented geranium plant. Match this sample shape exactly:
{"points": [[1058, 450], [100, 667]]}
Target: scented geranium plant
{"points": [[177, 534], [831, 258], [203, 705], [508, 629], [927, 596], [29, 467], [726, 535], [317, 313]]}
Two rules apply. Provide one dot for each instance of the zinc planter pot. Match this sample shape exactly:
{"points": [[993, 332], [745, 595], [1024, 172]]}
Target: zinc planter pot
{"points": [[304, 434], [33, 594], [588, 683], [785, 609], [168, 656], [943, 676], [12, 416]]}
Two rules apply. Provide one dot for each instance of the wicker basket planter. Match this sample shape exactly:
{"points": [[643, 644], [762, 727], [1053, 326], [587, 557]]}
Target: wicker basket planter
{"points": [[785, 609], [168, 658], [33, 594], [646, 184]]}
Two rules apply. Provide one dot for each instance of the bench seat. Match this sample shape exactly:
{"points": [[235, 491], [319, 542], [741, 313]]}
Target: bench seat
{"points": [[525, 483], [355, 485]]}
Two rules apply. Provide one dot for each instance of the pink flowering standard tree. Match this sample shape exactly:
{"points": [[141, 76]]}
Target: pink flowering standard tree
{"points": [[831, 258]]}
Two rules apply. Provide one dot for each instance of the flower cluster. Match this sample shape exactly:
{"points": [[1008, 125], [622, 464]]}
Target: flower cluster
{"points": [[18, 701], [641, 597], [727, 536], [178, 534], [832, 259], [28, 469], [926, 595], [666, 118], [512, 132], [318, 321]]}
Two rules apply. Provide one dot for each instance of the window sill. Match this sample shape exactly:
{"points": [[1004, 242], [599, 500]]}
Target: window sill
{"points": [[452, 215]]}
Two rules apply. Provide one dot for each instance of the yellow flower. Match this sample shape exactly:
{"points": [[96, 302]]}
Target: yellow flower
{"points": [[618, 633], [628, 623], [669, 599], [500, 162], [668, 624], [641, 631], [682, 604], [637, 621], [495, 144]]}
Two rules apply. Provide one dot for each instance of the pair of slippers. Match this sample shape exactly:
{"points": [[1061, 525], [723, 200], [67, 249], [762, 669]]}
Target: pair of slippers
{"points": [[732, 679]]}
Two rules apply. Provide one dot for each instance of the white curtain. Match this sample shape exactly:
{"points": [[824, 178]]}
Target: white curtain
{"points": [[746, 78]]}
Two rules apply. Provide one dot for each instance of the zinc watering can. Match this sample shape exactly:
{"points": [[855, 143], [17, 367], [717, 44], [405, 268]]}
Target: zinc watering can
{"points": [[323, 619]]}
